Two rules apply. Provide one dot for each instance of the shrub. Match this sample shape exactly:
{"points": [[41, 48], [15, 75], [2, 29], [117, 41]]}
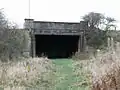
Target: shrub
{"points": [[13, 43], [32, 72], [105, 71], [81, 56]]}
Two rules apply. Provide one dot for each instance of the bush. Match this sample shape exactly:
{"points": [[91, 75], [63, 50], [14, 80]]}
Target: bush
{"points": [[31, 72], [105, 71], [96, 38], [13, 43], [81, 56]]}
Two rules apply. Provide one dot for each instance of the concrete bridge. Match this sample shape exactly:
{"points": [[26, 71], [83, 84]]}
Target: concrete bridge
{"points": [[56, 39]]}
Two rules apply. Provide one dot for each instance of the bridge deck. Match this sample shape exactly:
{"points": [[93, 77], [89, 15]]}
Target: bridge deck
{"points": [[58, 32]]}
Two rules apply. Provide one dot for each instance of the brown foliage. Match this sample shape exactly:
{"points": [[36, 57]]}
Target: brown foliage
{"points": [[106, 72]]}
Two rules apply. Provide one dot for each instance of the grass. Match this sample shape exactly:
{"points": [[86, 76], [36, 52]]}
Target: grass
{"points": [[66, 77], [105, 71], [31, 72], [63, 74]]}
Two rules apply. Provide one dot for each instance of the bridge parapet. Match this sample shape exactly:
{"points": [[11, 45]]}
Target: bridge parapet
{"points": [[57, 28]]}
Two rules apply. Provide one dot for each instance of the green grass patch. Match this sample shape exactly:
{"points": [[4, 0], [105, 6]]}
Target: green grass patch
{"points": [[66, 76]]}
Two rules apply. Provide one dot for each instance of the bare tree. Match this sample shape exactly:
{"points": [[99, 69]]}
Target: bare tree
{"points": [[109, 22], [99, 25], [98, 20], [94, 19]]}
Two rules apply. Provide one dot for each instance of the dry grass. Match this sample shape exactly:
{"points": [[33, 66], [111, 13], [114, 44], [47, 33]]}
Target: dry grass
{"points": [[30, 72], [105, 71], [81, 56]]}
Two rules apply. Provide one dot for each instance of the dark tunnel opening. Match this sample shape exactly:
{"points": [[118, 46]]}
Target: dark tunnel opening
{"points": [[56, 46]]}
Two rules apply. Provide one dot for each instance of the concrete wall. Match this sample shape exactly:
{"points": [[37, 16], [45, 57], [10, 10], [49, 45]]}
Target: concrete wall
{"points": [[55, 26]]}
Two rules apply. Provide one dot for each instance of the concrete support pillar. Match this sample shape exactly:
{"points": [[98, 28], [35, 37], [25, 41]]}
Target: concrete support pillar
{"points": [[84, 42], [82, 39], [33, 46], [29, 25], [110, 43], [81, 43]]}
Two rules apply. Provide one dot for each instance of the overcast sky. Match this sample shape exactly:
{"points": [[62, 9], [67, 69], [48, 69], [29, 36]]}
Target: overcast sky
{"points": [[58, 10]]}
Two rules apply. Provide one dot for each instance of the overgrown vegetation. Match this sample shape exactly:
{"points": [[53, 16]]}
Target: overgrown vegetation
{"points": [[98, 73], [13, 41], [105, 71], [98, 27], [28, 73], [101, 72]]}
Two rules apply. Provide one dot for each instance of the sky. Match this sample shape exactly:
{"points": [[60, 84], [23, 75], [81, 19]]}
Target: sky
{"points": [[58, 10]]}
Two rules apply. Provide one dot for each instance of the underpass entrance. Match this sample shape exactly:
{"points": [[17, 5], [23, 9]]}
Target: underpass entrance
{"points": [[56, 46]]}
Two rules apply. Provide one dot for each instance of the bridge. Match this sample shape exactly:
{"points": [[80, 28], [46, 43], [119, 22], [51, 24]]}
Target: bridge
{"points": [[69, 35]]}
